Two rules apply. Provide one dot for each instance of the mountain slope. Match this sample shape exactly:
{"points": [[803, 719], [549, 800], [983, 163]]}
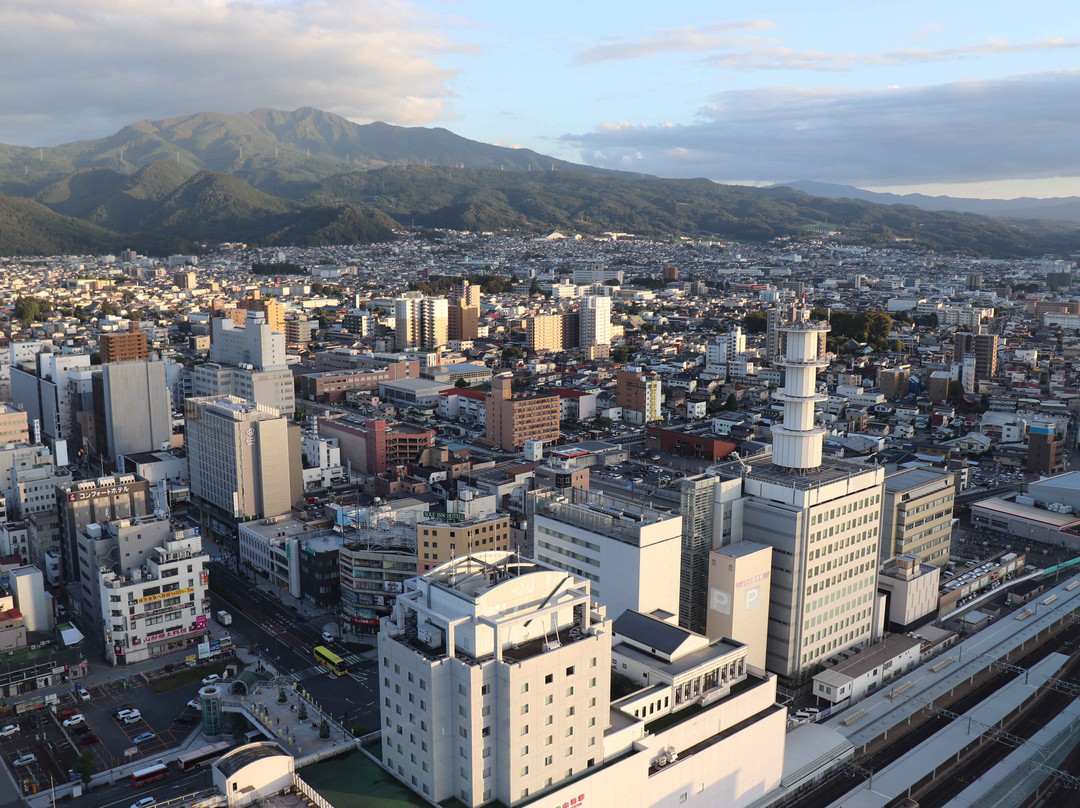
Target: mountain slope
{"points": [[303, 144], [1063, 209], [29, 228], [541, 201]]}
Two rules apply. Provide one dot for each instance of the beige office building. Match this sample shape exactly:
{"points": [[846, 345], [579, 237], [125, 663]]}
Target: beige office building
{"points": [[916, 514], [14, 426], [544, 332], [512, 420], [243, 458]]}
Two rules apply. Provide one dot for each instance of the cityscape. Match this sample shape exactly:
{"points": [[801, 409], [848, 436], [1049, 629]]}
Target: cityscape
{"points": [[643, 407]]}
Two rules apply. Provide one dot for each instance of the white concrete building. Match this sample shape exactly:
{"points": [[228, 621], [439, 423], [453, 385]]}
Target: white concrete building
{"points": [[159, 607], [631, 553], [495, 680], [867, 670], [595, 321]]}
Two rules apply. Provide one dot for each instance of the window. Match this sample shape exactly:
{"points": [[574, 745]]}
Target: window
{"points": [[549, 679], [548, 699], [485, 732], [570, 671], [524, 709], [547, 762], [524, 771], [485, 689], [525, 688], [525, 731]]}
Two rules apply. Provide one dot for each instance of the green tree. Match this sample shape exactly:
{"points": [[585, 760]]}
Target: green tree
{"points": [[302, 712], [956, 390], [461, 383], [85, 765], [731, 403], [324, 729], [511, 352], [29, 309], [756, 322], [621, 354]]}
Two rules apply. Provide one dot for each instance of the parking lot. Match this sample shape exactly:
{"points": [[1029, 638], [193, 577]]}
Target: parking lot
{"points": [[40, 735]]}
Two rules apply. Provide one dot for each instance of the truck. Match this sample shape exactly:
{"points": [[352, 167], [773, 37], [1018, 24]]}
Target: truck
{"points": [[224, 618]]}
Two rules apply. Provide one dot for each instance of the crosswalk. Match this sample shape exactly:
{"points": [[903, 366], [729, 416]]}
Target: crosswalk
{"points": [[315, 670]]}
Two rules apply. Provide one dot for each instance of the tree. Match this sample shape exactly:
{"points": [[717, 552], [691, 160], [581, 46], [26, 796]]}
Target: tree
{"points": [[461, 384], [534, 287], [29, 309], [621, 354], [731, 403], [756, 322], [281, 697], [85, 765], [510, 352], [956, 390], [302, 712], [324, 729]]}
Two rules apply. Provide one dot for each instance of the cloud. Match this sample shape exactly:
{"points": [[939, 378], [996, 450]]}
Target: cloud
{"points": [[1024, 127], [68, 67], [927, 30], [678, 40], [767, 55]]}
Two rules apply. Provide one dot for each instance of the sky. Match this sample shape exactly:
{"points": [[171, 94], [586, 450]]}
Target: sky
{"points": [[958, 98]]}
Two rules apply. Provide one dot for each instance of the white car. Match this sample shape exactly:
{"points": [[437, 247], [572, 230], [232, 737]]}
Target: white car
{"points": [[144, 802], [76, 719], [133, 718], [195, 704], [209, 680], [128, 713], [24, 759], [9, 730], [328, 637], [82, 694]]}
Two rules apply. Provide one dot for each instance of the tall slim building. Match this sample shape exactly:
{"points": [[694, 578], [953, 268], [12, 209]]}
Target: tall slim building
{"points": [[247, 361], [464, 311], [595, 315], [639, 396], [420, 322], [243, 461], [985, 349], [820, 516], [96, 501], [434, 322]]}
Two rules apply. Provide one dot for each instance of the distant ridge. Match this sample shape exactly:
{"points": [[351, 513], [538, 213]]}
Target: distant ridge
{"points": [[1061, 209], [309, 177]]}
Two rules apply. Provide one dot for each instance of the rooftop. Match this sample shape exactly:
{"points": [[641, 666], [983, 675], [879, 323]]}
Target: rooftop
{"points": [[909, 479], [873, 657], [232, 762], [762, 468], [600, 512], [475, 574]]}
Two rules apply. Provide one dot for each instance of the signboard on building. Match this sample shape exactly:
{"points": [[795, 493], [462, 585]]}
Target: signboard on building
{"points": [[174, 593], [445, 517]]}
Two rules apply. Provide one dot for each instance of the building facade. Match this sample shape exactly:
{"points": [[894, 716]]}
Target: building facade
{"points": [[512, 420]]}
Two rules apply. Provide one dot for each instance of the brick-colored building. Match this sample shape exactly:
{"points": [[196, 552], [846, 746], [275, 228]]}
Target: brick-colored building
{"points": [[639, 396], [659, 439], [513, 420], [374, 446], [332, 386], [124, 346]]}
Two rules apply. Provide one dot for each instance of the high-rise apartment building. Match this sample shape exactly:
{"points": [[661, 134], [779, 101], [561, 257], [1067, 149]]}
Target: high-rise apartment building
{"points": [[820, 516], [243, 461], [639, 396], [512, 420], [40, 387], [124, 346], [272, 310], [464, 311], [1046, 449], [14, 425], [893, 382], [985, 349], [595, 316], [551, 332], [916, 514], [420, 322]]}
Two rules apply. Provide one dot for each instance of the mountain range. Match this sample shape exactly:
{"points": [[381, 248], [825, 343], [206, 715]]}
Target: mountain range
{"points": [[1057, 209], [309, 177]]}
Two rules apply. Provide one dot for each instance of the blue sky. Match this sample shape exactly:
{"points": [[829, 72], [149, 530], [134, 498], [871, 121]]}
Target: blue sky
{"points": [[978, 99]]}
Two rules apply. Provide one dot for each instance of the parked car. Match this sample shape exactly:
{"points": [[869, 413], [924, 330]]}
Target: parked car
{"points": [[88, 740], [144, 802], [188, 720], [123, 708], [82, 694], [127, 712], [23, 760], [143, 737], [132, 718], [209, 680], [169, 668], [9, 730], [80, 729], [67, 713], [74, 720], [195, 704]]}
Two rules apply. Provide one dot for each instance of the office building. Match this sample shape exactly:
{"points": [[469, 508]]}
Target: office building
{"points": [[489, 707], [132, 410], [124, 346], [631, 553], [247, 361], [96, 501], [985, 349], [595, 335], [552, 332], [375, 445], [639, 396], [916, 514], [820, 516], [725, 348], [40, 387], [272, 310], [243, 461], [157, 607], [938, 386], [512, 420], [912, 591], [300, 331]]}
